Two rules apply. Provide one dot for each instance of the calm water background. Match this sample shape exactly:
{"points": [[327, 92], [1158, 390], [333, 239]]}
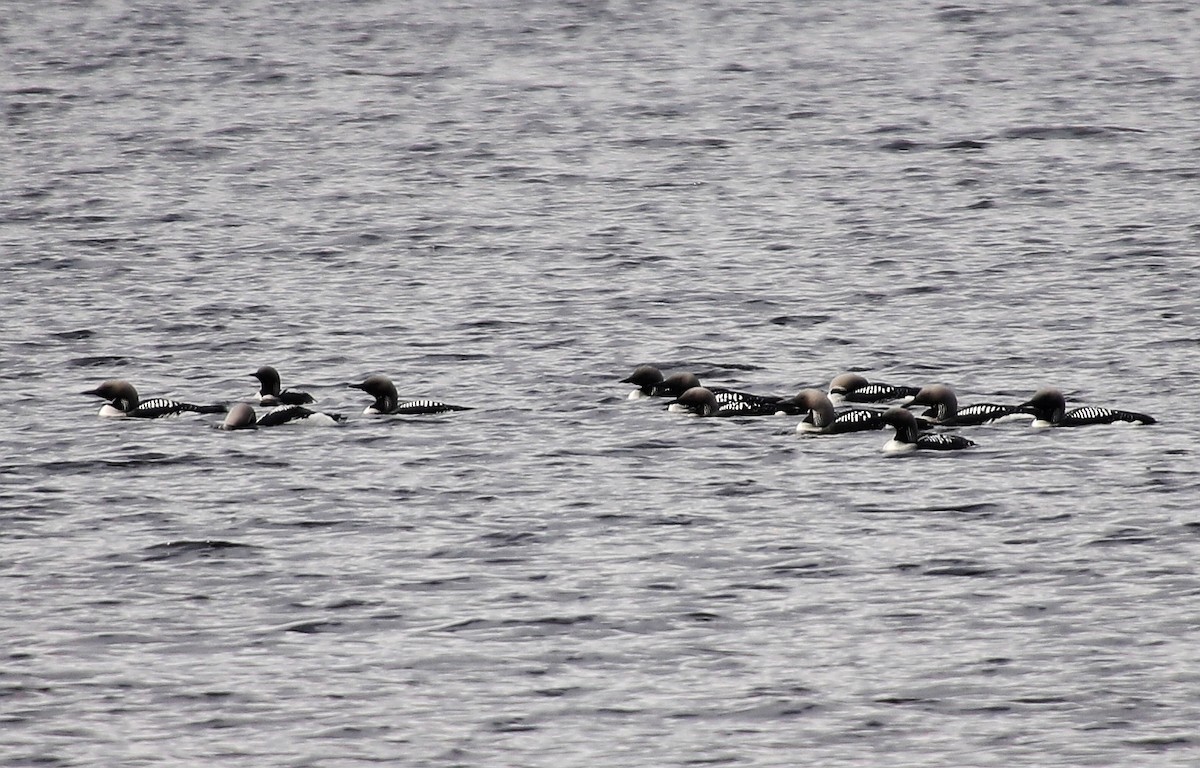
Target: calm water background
{"points": [[509, 205]]}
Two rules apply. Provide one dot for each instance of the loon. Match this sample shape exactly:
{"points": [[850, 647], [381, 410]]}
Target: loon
{"points": [[908, 438], [242, 416], [1049, 409], [123, 402], [944, 410], [387, 400], [703, 401], [646, 378], [822, 419], [854, 388], [677, 384], [270, 394]]}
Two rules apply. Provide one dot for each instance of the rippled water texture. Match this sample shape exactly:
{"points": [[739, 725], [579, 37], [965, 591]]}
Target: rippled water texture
{"points": [[509, 207]]}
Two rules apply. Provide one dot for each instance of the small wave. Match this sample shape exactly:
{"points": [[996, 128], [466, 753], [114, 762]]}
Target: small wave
{"points": [[948, 567], [805, 321], [81, 333], [909, 145], [669, 142], [545, 621], [97, 361], [151, 458], [188, 548], [310, 626], [960, 570], [1160, 743], [1044, 132], [1123, 536]]}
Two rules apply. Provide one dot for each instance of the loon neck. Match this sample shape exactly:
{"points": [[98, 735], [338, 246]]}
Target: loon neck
{"points": [[822, 412], [907, 433], [820, 407]]}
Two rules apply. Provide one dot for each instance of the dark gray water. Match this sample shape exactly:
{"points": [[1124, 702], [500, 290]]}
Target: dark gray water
{"points": [[510, 206]]}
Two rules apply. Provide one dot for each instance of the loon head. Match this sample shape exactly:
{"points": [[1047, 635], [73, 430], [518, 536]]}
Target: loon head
{"points": [[940, 398], [1047, 404], [240, 416], [698, 400], [676, 384], [385, 394], [645, 378], [119, 393], [269, 378], [818, 405], [904, 422]]}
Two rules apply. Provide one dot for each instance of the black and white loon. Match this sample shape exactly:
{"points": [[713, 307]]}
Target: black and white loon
{"points": [[270, 394], [944, 409], [242, 416], [1049, 409], [854, 388], [387, 400], [821, 418], [123, 402], [651, 382], [909, 437], [702, 401]]}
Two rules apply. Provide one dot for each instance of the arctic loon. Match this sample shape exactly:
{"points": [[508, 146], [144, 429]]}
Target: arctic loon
{"points": [[123, 402]]}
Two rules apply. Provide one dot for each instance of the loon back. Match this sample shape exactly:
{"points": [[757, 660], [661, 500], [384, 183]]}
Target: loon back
{"points": [[298, 414]]}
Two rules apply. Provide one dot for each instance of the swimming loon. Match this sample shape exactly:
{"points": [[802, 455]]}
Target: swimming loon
{"points": [[822, 419], [242, 416], [270, 394], [702, 401], [944, 409], [678, 383], [387, 400], [1049, 409], [123, 402], [909, 438], [854, 388]]}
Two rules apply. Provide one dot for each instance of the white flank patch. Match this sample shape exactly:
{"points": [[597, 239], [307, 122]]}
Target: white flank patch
{"points": [[318, 419], [1010, 418], [894, 447]]}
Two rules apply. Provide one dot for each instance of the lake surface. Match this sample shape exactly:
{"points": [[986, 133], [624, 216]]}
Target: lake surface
{"points": [[509, 206]]}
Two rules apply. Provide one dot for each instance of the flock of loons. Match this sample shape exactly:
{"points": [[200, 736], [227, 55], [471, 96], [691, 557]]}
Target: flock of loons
{"points": [[855, 404], [287, 406], [852, 404]]}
